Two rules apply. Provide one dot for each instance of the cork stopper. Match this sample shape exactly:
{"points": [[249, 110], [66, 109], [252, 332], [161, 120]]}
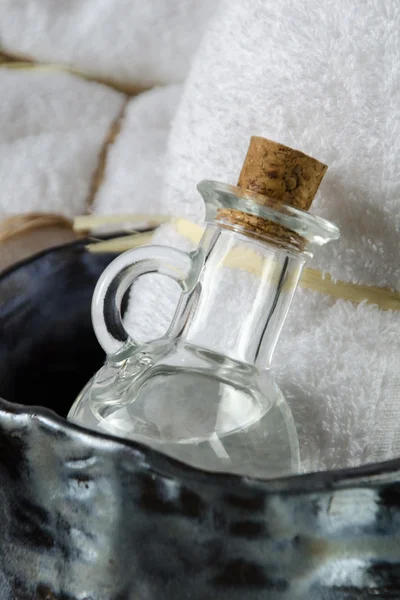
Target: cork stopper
{"points": [[280, 174]]}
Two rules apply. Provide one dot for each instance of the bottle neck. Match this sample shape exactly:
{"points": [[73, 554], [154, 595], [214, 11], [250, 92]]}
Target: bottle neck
{"points": [[242, 297]]}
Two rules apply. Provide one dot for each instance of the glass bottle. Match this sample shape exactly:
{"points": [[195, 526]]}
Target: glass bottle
{"points": [[204, 393]]}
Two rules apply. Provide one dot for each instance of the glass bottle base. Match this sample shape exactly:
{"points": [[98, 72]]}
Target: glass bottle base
{"points": [[196, 407]]}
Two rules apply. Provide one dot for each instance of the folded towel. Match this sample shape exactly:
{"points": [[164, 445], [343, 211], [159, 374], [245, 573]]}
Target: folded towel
{"points": [[134, 173], [322, 78], [52, 129], [127, 41]]}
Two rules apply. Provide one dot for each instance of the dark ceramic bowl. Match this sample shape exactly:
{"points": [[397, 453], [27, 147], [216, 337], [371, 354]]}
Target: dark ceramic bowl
{"points": [[84, 516]]}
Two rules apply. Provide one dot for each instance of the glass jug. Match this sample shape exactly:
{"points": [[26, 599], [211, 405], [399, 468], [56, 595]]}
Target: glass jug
{"points": [[204, 393]]}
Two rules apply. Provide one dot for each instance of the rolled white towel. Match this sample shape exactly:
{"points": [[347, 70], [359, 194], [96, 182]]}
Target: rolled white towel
{"points": [[128, 41], [134, 172], [52, 129], [323, 78]]}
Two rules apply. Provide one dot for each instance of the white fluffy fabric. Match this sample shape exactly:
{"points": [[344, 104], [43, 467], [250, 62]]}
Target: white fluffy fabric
{"points": [[142, 42], [315, 77], [52, 128], [134, 173], [322, 78]]}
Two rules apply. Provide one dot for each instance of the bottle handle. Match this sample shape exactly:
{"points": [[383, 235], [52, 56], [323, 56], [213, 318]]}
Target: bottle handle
{"points": [[119, 276]]}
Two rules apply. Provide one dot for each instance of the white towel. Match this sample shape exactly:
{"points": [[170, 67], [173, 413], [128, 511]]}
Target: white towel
{"points": [[323, 78], [52, 129], [134, 173], [139, 42]]}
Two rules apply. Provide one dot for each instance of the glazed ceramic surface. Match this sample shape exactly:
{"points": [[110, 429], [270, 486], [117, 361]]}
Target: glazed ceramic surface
{"points": [[84, 516], [48, 349]]}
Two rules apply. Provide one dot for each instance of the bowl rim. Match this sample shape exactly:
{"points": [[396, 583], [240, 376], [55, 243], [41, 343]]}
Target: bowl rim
{"points": [[369, 475], [79, 244]]}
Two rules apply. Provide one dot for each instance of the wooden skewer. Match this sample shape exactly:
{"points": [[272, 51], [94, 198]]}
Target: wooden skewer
{"points": [[121, 244], [90, 222], [311, 279]]}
